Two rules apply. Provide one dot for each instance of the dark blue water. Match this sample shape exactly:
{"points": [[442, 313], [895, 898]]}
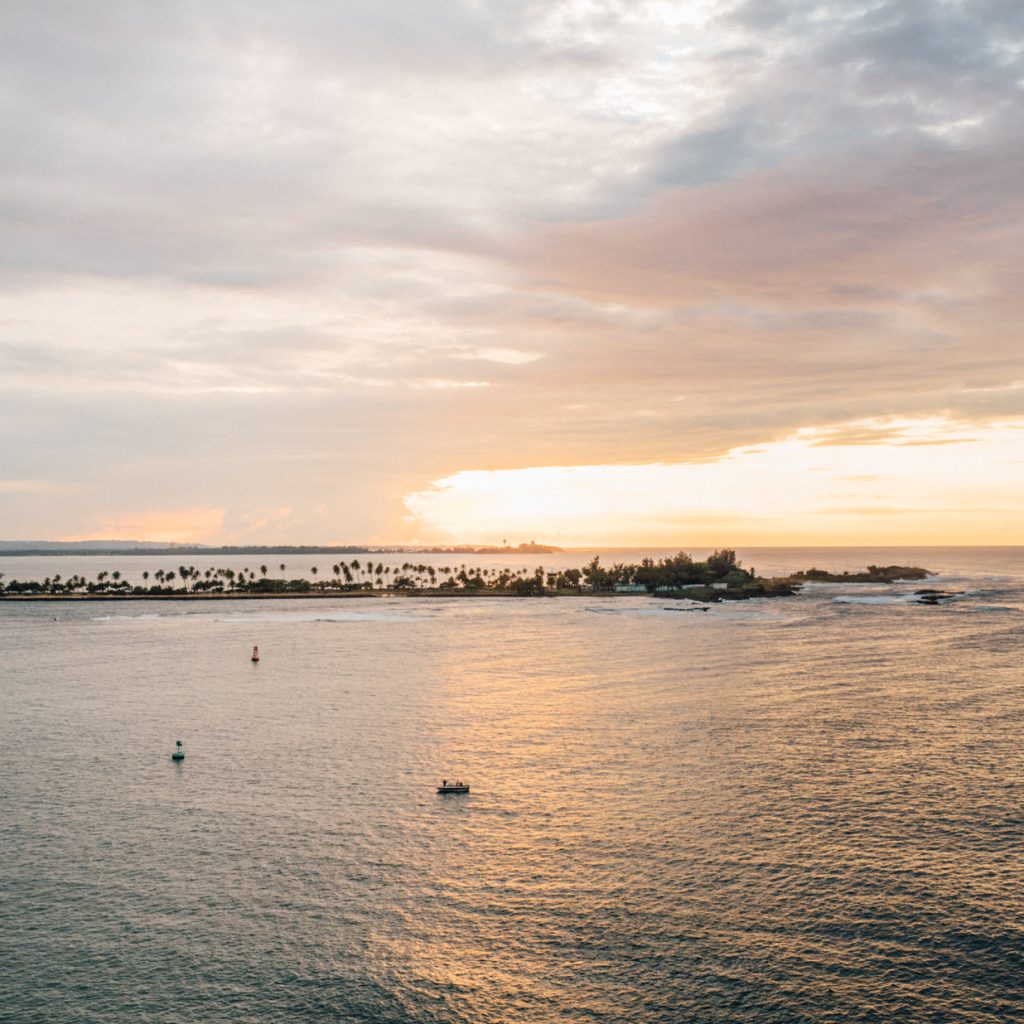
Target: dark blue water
{"points": [[798, 810]]}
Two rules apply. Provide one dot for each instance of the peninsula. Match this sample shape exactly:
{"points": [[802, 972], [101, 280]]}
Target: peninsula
{"points": [[720, 577]]}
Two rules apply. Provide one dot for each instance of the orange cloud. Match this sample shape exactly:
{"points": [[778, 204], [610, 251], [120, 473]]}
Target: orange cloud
{"points": [[175, 526], [919, 481], [26, 486], [857, 233], [260, 520]]}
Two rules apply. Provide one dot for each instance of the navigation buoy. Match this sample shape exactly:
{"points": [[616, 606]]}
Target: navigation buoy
{"points": [[179, 752], [255, 654]]}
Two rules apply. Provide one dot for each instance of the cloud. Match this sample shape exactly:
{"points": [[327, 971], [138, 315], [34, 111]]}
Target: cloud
{"points": [[27, 486], [441, 384], [868, 234], [248, 145], [510, 356], [178, 526], [346, 249], [934, 431], [787, 492], [256, 521]]}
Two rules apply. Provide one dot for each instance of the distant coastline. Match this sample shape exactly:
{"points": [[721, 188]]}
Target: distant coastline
{"points": [[37, 549]]}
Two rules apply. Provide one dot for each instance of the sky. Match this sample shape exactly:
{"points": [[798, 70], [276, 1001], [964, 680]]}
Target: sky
{"points": [[580, 271]]}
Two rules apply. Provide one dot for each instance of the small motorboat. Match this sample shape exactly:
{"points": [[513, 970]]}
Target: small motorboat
{"points": [[179, 752], [452, 787]]}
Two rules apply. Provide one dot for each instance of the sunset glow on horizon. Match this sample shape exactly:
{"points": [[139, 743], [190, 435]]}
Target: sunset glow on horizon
{"points": [[877, 483], [710, 272]]}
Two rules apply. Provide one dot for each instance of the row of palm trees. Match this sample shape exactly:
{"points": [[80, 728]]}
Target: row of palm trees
{"points": [[354, 575], [665, 574]]}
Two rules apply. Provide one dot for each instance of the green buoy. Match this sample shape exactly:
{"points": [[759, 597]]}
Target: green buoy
{"points": [[179, 752]]}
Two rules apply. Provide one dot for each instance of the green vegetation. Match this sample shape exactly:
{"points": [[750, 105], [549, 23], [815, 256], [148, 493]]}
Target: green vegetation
{"points": [[670, 573], [874, 574], [719, 577], [345, 577]]}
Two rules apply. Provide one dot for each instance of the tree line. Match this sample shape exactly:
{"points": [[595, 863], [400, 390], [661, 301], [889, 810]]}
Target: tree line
{"points": [[668, 573]]}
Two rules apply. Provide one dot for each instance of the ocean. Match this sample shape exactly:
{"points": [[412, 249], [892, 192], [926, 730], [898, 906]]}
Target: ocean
{"points": [[804, 809]]}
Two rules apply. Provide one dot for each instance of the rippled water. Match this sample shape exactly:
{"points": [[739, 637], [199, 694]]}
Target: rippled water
{"points": [[806, 809]]}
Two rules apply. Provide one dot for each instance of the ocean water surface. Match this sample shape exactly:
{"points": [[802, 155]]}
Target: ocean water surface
{"points": [[803, 809]]}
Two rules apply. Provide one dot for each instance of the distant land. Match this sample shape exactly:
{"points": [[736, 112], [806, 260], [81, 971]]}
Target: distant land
{"points": [[135, 547], [719, 577]]}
